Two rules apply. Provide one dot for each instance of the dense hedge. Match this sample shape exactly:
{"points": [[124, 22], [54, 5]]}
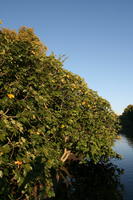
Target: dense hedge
{"points": [[48, 116]]}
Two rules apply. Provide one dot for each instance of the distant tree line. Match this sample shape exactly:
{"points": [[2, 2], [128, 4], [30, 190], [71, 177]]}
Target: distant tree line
{"points": [[126, 120]]}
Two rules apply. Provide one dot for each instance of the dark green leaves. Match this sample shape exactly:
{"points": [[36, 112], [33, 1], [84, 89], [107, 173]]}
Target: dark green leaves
{"points": [[45, 111]]}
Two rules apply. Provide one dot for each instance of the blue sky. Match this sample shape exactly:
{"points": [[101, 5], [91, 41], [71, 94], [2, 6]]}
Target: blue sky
{"points": [[95, 35]]}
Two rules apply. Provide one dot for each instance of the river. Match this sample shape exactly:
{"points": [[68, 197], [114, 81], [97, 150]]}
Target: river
{"points": [[124, 146]]}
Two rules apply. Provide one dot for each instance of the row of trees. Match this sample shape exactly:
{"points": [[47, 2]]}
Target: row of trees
{"points": [[126, 120], [48, 117]]}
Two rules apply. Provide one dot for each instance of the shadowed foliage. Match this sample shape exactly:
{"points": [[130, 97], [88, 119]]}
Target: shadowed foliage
{"points": [[91, 182], [126, 120]]}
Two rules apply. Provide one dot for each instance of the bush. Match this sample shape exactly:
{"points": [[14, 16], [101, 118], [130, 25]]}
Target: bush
{"points": [[48, 117]]}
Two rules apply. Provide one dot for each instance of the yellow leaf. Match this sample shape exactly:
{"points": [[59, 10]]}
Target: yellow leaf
{"points": [[62, 80], [18, 162], [33, 52], [83, 103], [73, 85], [11, 96]]}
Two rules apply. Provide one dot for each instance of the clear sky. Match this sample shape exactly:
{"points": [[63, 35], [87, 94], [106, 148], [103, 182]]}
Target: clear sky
{"points": [[95, 35]]}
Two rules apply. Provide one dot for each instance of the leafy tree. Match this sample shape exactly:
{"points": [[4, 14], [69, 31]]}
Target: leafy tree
{"points": [[128, 113], [127, 120], [48, 117]]}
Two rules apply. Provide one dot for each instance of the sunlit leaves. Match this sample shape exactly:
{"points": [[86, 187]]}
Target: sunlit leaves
{"points": [[45, 109]]}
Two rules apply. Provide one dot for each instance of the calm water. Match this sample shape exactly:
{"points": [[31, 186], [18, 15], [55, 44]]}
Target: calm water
{"points": [[124, 146]]}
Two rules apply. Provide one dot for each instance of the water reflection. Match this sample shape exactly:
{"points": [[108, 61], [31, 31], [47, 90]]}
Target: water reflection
{"points": [[91, 182], [127, 128], [129, 139], [124, 146]]}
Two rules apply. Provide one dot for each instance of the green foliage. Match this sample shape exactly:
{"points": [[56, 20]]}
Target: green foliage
{"points": [[46, 114], [128, 113], [127, 120]]}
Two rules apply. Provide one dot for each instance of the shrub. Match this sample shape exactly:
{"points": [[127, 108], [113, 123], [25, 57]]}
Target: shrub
{"points": [[48, 115]]}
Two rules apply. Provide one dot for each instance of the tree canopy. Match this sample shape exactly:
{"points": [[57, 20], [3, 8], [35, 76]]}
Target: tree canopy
{"points": [[48, 117], [126, 120]]}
